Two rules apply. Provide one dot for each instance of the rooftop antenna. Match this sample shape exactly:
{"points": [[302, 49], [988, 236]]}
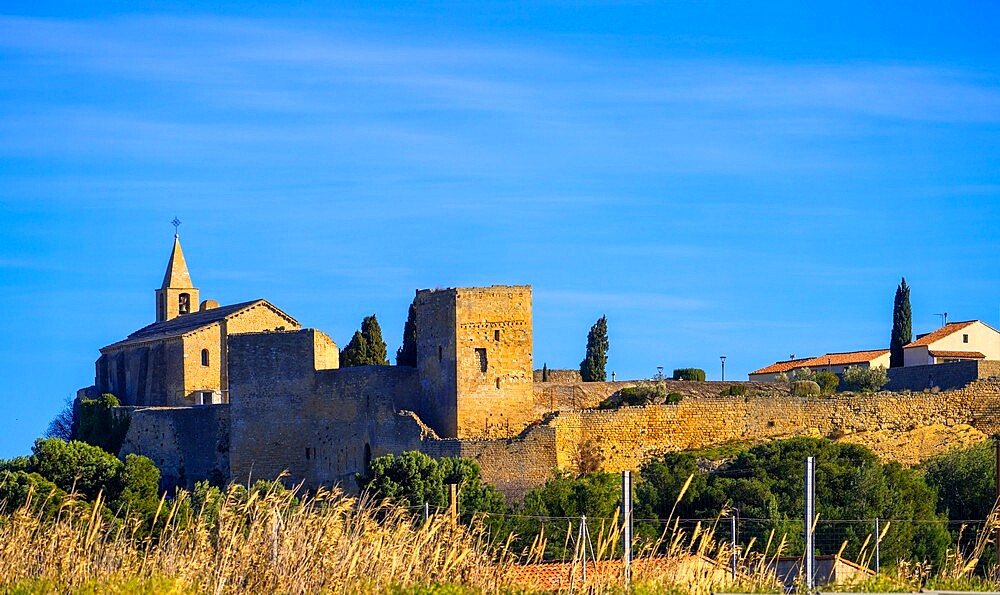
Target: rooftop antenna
{"points": [[176, 223], [944, 318]]}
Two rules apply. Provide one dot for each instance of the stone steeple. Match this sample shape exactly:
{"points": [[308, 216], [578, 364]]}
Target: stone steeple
{"points": [[177, 295]]}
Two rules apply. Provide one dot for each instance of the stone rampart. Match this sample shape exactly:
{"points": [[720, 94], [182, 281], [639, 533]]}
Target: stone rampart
{"points": [[625, 437], [187, 444], [947, 376]]}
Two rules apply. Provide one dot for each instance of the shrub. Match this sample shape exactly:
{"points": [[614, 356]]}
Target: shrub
{"points": [[805, 388], [694, 374], [735, 390], [865, 379], [827, 381], [99, 426], [781, 377], [673, 398], [803, 374], [635, 396]]}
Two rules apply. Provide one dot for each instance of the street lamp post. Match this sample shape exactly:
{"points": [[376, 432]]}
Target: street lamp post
{"points": [[722, 358]]}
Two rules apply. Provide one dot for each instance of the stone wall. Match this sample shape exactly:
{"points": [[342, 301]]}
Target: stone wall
{"points": [[562, 376], [436, 365], [947, 376], [187, 444], [626, 436], [145, 374]]}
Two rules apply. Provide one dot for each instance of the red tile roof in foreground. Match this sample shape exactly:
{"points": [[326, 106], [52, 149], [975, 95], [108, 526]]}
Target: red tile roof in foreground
{"points": [[844, 358], [968, 354], [560, 575], [941, 333]]}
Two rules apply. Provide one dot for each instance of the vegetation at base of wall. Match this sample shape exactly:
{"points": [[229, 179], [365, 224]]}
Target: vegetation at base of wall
{"points": [[100, 426], [827, 381], [56, 468], [734, 390], [902, 324], [406, 355], [414, 478], [641, 395], [366, 347], [692, 374], [805, 388], [592, 368], [865, 379]]}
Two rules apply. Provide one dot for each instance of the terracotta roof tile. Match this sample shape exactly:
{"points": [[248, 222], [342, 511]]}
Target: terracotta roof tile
{"points": [[941, 333], [783, 366], [969, 354], [830, 359]]}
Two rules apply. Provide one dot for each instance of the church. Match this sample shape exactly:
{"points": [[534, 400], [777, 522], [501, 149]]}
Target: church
{"points": [[234, 392]]}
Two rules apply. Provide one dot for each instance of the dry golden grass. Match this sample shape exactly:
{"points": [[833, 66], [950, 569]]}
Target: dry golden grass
{"points": [[265, 543]]}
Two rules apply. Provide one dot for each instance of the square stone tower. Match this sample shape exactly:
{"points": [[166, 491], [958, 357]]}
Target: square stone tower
{"points": [[474, 350]]}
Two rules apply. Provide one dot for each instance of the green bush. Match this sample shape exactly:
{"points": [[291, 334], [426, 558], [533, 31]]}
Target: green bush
{"points": [[827, 381], [865, 379], [803, 374], [694, 374], [805, 388], [673, 398], [735, 390]]}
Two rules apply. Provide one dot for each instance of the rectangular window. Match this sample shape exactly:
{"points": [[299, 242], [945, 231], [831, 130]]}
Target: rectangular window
{"points": [[481, 355], [496, 335], [965, 338]]}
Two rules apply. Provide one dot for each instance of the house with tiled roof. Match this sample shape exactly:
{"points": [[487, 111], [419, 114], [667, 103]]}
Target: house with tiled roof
{"points": [[955, 341], [832, 362]]}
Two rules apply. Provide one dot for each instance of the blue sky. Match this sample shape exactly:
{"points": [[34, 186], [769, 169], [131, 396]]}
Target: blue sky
{"points": [[747, 179]]}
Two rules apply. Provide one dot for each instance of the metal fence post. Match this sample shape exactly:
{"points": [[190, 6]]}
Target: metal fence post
{"points": [[627, 526], [878, 534], [732, 533], [810, 505]]}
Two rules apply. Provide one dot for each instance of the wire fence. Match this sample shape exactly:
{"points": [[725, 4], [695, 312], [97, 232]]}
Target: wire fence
{"points": [[873, 542]]}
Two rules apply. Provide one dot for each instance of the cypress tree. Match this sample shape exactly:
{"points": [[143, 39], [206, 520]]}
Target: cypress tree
{"points": [[366, 348], [406, 355], [902, 323], [545, 372], [592, 366]]}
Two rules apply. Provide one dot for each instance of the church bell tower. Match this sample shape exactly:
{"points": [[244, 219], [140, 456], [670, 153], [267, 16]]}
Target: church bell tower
{"points": [[177, 296]]}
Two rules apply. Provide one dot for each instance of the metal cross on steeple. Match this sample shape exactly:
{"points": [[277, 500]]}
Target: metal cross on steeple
{"points": [[177, 223]]}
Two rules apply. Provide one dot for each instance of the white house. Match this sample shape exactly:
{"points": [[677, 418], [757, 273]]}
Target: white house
{"points": [[955, 341]]}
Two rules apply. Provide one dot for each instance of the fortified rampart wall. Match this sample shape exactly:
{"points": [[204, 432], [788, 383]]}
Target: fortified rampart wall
{"points": [[950, 376], [187, 444]]}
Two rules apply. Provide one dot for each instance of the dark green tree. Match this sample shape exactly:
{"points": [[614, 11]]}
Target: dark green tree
{"points": [[366, 348], [592, 368], [964, 481], [902, 325], [100, 426], [545, 372], [406, 355], [413, 478]]}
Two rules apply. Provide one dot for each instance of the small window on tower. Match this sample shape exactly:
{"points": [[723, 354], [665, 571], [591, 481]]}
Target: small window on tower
{"points": [[496, 335], [183, 303], [481, 355], [204, 357], [440, 353]]}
